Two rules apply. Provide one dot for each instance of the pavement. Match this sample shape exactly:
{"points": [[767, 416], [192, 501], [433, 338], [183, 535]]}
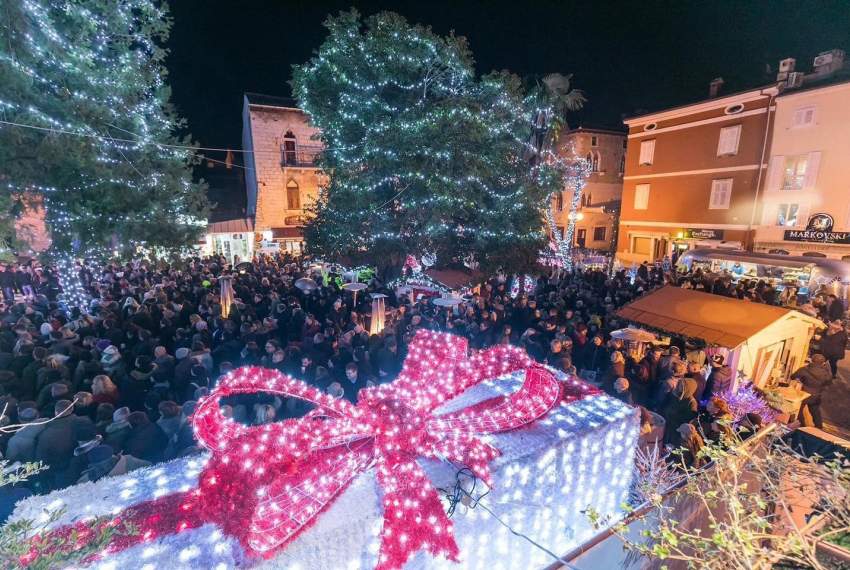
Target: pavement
{"points": [[835, 404]]}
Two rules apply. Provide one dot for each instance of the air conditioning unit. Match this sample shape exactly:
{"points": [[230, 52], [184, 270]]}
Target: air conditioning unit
{"points": [[824, 59], [795, 79], [787, 65]]}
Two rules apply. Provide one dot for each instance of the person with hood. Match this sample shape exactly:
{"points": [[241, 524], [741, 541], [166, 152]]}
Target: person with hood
{"points": [[21, 446], [119, 430], [679, 408], [720, 379], [616, 370], [182, 371], [113, 364], [170, 418], [146, 441], [135, 387], [816, 378], [833, 344]]}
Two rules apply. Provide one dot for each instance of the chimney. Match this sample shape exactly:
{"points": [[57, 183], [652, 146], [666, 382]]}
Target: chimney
{"points": [[786, 66], [714, 87], [828, 62]]}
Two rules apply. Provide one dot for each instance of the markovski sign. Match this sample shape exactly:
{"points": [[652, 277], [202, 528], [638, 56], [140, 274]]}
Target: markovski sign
{"points": [[817, 236]]}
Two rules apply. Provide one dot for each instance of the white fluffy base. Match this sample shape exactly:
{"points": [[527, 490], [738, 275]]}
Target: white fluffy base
{"points": [[580, 455]]}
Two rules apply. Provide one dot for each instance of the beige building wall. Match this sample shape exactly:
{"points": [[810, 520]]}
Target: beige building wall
{"points": [[605, 150], [281, 187], [810, 126]]}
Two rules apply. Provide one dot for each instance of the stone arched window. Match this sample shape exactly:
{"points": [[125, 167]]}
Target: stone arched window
{"points": [[289, 150], [596, 162], [293, 196], [559, 201]]}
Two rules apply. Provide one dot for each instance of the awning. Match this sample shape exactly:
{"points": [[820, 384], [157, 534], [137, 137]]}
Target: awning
{"points": [[715, 319], [234, 226]]}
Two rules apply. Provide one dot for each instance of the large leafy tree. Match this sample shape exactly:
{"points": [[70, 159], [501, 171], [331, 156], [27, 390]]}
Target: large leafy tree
{"points": [[87, 126], [422, 155]]}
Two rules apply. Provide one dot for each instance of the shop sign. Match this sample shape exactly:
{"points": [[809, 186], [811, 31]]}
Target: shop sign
{"points": [[818, 229], [695, 233]]}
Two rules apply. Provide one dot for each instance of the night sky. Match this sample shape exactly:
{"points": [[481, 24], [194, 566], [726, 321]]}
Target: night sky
{"points": [[628, 57]]}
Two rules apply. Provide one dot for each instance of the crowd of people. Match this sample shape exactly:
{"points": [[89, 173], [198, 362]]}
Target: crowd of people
{"points": [[109, 388]]}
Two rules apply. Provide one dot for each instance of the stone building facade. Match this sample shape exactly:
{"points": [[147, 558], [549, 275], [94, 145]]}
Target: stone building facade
{"points": [[281, 177], [605, 152]]}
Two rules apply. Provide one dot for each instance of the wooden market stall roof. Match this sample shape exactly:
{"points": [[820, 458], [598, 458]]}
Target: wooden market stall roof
{"points": [[715, 319]]}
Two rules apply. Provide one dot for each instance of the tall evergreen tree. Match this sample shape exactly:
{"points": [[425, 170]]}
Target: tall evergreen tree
{"points": [[87, 126], [422, 156]]}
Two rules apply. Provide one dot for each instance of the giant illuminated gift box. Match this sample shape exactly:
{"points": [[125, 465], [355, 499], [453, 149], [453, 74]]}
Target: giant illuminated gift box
{"points": [[577, 455]]}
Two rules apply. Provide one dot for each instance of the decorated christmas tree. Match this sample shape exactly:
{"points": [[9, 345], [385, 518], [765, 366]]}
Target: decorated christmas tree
{"points": [[423, 156], [87, 128]]}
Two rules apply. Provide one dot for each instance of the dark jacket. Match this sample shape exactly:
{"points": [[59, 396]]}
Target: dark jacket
{"points": [[815, 378], [832, 345], [147, 442], [679, 408], [56, 442]]}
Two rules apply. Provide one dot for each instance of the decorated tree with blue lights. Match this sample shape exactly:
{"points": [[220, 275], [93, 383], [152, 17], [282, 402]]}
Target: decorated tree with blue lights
{"points": [[423, 156], [87, 127]]}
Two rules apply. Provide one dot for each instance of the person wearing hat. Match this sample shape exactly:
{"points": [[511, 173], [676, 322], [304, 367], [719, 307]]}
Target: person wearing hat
{"points": [[833, 344], [119, 429], [719, 380], [21, 446], [668, 363], [816, 378]]}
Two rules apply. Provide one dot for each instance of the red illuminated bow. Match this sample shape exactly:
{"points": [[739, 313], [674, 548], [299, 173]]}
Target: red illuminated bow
{"points": [[266, 484]]}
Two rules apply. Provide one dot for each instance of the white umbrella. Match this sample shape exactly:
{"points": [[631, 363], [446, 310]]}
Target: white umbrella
{"points": [[634, 335], [306, 284]]}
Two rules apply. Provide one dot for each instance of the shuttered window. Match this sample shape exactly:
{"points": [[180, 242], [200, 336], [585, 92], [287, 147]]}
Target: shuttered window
{"points": [[721, 194], [647, 151], [728, 143], [641, 196]]}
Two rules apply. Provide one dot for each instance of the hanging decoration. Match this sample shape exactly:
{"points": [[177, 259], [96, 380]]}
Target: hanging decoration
{"points": [[265, 485]]}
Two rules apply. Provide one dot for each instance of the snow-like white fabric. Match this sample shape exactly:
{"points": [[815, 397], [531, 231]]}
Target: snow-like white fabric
{"points": [[579, 456]]}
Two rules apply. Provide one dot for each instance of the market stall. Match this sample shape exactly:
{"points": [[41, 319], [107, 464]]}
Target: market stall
{"points": [[761, 342], [807, 274]]}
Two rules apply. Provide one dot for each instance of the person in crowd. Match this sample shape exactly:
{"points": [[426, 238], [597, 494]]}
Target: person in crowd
{"points": [[679, 407], [720, 379], [833, 345], [815, 378], [691, 442], [716, 422]]}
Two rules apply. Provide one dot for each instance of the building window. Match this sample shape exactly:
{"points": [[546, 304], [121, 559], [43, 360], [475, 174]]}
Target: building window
{"points": [[596, 162], [589, 159], [625, 144], [289, 150], [293, 197], [728, 143], [803, 117], [599, 234], [647, 152], [581, 237], [622, 164], [559, 201], [721, 193], [594, 141], [786, 214], [641, 196], [795, 172]]}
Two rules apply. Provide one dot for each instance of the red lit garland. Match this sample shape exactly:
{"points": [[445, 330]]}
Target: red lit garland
{"points": [[264, 485]]}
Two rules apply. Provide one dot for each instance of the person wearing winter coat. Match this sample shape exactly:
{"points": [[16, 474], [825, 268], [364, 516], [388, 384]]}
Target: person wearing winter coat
{"points": [[146, 441], [117, 432], [616, 370], [56, 442], [816, 378], [720, 378], [136, 385], [621, 391], [21, 446], [833, 344], [679, 408]]}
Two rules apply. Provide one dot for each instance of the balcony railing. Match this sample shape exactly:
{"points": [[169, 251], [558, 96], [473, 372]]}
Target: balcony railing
{"points": [[301, 157]]}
